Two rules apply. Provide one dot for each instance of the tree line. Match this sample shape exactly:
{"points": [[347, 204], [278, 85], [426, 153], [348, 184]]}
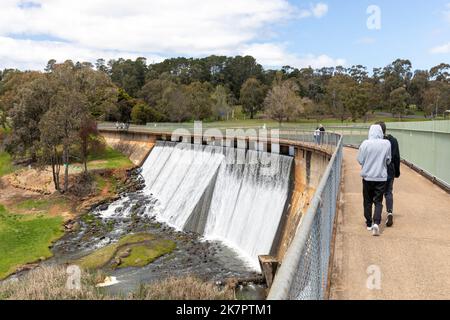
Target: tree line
{"points": [[51, 116], [211, 88]]}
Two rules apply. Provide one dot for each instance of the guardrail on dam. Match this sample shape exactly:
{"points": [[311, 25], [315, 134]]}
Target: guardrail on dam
{"points": [[303, 275], [303, 243]]}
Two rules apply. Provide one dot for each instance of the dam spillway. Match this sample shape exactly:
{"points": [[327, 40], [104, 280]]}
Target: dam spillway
{"points": [[233, 195]]}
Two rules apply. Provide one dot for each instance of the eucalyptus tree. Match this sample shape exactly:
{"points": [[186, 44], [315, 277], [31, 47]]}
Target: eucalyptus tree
{"points": [[399, 100], [283, 102], [252, 96]]}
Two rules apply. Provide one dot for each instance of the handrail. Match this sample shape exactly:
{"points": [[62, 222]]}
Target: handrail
{"points": [[290, 266]]}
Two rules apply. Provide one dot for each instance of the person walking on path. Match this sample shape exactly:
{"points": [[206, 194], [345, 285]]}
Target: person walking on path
{"points": [[393, 173], [374, 156], [317, 136], [322, 133]]}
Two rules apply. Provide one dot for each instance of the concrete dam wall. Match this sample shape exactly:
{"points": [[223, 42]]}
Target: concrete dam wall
{"points": [[252, 201], [136, 146]]}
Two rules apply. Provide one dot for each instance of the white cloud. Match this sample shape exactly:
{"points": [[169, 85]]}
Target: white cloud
{"points": [[366, 40], [140, 25], [445, 48], [318, 11], [28, 54], [275, 55], [150, 28], [447, 12]]}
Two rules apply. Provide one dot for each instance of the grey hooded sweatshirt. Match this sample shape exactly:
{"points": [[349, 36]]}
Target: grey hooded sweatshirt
{"points": [[374, 155]]}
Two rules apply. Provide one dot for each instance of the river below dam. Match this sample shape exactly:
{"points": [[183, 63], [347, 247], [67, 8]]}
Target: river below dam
{"points": [[194, 255], [222, 211]]}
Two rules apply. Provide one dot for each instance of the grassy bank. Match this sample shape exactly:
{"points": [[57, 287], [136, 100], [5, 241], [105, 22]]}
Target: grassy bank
{"points": [[109, 159], [41, 205], [25, 238], [49, 283], [28, 226]]}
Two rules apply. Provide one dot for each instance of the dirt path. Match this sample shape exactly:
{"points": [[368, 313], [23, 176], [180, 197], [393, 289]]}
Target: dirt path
{"points": [[413, 257]]}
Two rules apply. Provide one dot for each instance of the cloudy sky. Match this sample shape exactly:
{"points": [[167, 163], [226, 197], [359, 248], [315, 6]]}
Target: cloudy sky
{"points": [[276, 32]]}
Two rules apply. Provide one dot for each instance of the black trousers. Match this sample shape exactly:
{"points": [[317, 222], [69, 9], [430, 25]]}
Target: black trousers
{"points": [[388, 195], [373, 193]]}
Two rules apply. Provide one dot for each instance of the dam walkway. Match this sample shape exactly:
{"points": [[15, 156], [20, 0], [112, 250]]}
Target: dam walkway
{"points": [[411, 260]]}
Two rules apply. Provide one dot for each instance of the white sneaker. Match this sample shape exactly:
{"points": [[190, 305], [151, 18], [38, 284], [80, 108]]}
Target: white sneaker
{"points": [[375, 230], [369, 228]]}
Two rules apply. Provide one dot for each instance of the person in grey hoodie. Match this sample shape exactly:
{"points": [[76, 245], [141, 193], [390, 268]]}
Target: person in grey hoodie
{"points": [[374, 156]]}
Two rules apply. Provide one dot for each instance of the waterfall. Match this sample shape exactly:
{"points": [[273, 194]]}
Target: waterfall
{"points": [[178, 175], [248, 203], [246, 193]]}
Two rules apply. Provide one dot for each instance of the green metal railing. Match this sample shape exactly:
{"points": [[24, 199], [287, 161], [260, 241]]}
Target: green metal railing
{"points": [[426, 145]]}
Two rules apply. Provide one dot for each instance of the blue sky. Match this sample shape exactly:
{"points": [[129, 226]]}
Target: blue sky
{"points": [[277, 32], [409, 29]]}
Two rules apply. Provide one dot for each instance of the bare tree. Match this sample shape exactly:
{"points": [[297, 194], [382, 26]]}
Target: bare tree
{"points": [[283, 102]]}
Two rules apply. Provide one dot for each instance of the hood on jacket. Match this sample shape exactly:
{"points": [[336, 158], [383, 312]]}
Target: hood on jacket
{"points": [[376, 132]]}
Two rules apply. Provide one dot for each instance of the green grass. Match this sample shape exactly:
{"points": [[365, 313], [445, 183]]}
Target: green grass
{"points": [[6, 165], [109, 159], [111, 183], [144, 250], [102, 256], [39, 204], [25, 239], [300, 123], [142, 255], [100, 181]]}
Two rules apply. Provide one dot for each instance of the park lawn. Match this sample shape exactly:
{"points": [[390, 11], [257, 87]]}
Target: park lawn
{"points": [[25, 239], [6, 165], [41, 205], [300, 123], [109, 159]]}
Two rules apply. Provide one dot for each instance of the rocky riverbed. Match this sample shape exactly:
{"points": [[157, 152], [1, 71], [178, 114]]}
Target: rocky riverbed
{"points": [[132, 213]]}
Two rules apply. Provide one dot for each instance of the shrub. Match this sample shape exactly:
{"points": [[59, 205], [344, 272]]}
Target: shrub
{"points": [[49, 283]]}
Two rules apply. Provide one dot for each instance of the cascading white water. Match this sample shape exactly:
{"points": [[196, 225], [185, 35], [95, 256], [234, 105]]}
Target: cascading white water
{"points": [[177, 175], [248, 200]]}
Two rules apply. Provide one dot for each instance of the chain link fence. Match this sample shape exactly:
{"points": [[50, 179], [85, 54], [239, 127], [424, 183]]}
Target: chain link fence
{"points": [[303, 274]]}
